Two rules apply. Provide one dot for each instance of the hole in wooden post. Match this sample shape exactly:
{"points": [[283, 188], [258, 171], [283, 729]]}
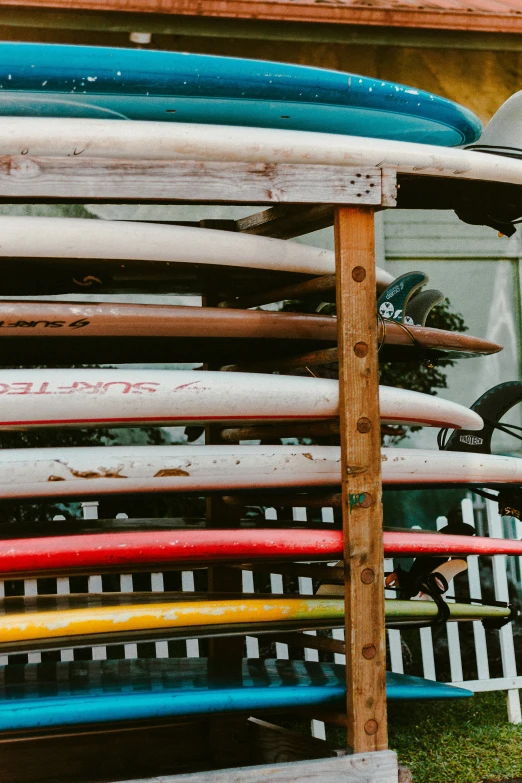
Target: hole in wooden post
{"points": [[371, 727], [367, 576], [364, 424], [366, 500], [358, 273], [360, 350]]}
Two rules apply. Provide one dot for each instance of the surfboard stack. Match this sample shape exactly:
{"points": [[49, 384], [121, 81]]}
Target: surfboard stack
{"points": [[237, 266]]}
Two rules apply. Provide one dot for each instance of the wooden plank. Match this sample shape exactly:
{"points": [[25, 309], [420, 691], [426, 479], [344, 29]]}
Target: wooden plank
{"points": [[308, 359], [112, 753], [322, 288], [341, 12], [104, 179], [270, 744], [361, 491], [283, 500], [313, 571], [304, 641], [287, 222], [356, 768], [227, 734], [311, 430]]}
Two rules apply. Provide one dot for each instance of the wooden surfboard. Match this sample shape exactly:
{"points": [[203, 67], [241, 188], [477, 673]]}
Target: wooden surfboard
{"points": [[58, 621], [92, 471], [126, 398], [149, 549], [48, 695], [99, 332]]}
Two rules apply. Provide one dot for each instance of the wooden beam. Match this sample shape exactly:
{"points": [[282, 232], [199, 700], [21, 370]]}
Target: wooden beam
{"points": [[354, 768], [340, 12], [361, 491], [310, 430], [321, 288], [311, 570], [287, 222], [332, 500], [305, 641], [284, 363], [270, 744], [18, 14], [181, 181]]}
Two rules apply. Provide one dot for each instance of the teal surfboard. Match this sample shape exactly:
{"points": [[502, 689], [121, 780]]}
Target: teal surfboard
{"points": [[54, 80], [35, 696]]}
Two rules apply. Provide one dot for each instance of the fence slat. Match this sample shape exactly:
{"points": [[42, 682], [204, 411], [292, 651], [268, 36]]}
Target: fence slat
{"points": [[507, 646], [475, 591]]}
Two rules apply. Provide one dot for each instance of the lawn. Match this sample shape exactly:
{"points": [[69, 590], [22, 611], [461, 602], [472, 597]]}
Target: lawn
{"points": [[465, 741]]}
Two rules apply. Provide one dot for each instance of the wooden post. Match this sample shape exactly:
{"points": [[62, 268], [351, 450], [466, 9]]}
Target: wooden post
{"points": [[361, 489]]}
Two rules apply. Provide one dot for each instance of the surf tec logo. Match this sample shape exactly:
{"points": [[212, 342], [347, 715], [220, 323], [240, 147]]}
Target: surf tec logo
{"points": [[471, 440], [387, 308]]}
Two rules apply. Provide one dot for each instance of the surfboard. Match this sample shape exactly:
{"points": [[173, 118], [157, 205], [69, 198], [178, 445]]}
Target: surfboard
{"points": [[136, 550], [126, 398], [191, 141], [84, 255], [46, 695], [216, 332], [111, 470], [58, 621], [50, 80]]}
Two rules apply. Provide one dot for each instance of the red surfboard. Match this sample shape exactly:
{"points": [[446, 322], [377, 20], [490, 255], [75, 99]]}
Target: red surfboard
{"points": [[131, 551]]}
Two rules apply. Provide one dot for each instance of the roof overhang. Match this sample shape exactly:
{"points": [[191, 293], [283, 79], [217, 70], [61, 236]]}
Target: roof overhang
{"points": [[491, 16]]}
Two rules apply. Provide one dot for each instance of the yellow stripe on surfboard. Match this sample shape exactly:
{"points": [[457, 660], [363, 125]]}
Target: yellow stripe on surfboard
{"points": [[54, 624], [150, 617]]}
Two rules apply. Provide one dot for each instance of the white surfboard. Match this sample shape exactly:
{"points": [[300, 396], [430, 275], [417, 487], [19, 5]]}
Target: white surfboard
{"points": [[76, 238], [187, 141], [88, 472], [92, 398]]}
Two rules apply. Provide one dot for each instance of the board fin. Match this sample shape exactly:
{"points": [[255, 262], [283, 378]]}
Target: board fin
{"points": [[420, 306], [491, 406], [393, 302]]}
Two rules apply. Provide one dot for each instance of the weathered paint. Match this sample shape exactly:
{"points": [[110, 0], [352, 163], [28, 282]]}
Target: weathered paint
{"points": [[69, 472], [45, 625]]}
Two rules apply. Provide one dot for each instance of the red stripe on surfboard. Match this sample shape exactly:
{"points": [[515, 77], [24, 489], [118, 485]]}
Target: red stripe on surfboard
{"points": [[145, 548], [139, 419]]}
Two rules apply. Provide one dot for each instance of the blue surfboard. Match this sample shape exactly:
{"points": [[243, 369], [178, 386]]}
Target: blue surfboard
{"points": [[54, 80], [58, 694]]}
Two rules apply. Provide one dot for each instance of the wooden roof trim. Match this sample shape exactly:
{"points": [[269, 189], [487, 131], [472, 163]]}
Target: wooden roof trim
{"points": [[471, 16]]}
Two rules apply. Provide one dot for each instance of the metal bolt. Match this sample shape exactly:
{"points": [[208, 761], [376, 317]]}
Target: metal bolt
{"points": [[369, 652], [358, 273], [367, 576]]}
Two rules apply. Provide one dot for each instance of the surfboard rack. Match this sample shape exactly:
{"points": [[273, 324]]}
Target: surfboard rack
{"points": [[296, 199]]}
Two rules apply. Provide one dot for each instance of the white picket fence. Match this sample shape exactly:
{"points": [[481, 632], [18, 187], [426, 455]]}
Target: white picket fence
{"points": [[483, 515]]}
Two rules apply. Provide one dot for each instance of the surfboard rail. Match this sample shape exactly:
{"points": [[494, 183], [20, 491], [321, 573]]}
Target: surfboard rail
{"points": [[146, 549]]}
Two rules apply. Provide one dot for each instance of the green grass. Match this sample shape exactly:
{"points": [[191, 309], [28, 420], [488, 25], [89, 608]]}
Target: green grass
{"points": [[464, 741]]}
